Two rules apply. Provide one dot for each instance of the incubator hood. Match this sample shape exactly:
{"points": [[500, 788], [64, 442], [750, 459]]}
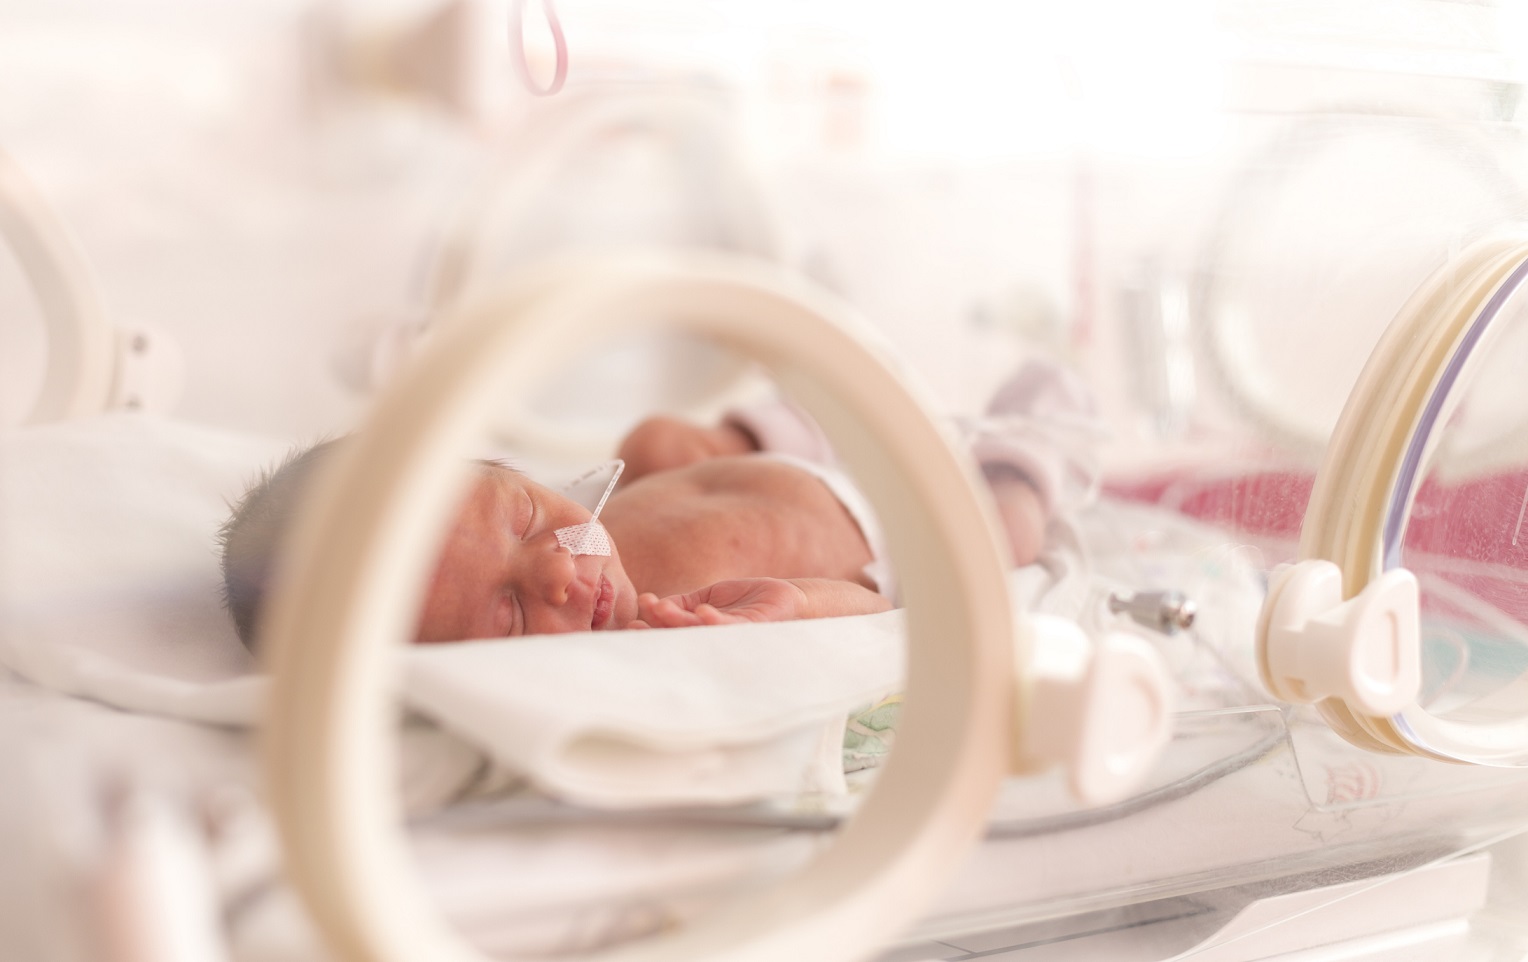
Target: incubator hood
{"points": [[1406, 618]]}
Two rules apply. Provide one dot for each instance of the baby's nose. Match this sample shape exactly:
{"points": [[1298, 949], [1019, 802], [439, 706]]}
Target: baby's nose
{"points": [[556, 575]]}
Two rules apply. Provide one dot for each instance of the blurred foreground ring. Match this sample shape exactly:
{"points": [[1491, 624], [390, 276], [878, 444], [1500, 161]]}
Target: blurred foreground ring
{"points": [[1166, 611]]}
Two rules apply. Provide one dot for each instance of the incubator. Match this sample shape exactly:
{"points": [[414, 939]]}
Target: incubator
{"points": [[1260, 696]]}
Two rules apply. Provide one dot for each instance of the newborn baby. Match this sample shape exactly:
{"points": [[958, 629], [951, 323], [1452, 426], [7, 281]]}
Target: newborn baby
{"points": [[747, 520]]}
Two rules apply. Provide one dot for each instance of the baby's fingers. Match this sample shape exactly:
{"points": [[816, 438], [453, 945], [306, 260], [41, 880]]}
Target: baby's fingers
{"points": [[711, 615], [667, 613], [648, 608]]}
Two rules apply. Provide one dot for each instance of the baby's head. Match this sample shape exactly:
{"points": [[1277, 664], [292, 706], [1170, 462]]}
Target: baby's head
{"points": [[501, 570], [253, 532]]}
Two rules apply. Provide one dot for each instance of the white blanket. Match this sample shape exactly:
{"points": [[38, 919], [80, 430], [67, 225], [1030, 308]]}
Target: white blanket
{"points": [[710, 715], [109, 592]]}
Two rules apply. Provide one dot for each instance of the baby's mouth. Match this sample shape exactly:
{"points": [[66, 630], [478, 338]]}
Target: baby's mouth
{"points": [[604, 604]]}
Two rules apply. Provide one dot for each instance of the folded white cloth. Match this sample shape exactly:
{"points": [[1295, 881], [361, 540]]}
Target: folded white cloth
{"points": [[696, 715]]}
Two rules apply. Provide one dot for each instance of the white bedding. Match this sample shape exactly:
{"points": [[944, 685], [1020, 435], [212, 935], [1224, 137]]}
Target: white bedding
{"points": [[118, 666], [109, 591]]}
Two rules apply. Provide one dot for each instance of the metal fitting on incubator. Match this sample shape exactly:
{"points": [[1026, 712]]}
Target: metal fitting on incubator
{"points": [[1166, 611]]}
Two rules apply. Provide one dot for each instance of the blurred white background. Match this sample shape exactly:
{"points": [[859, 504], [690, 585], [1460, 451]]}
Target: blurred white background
{"points": [[1211, 208]]}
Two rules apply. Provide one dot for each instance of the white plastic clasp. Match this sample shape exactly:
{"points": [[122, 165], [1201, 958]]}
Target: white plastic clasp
{"points": [[1366, 650], [1103, 711], [150, 371]]}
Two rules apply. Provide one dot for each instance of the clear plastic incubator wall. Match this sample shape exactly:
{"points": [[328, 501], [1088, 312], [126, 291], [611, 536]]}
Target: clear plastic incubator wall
{"points": [[1166, 361]]}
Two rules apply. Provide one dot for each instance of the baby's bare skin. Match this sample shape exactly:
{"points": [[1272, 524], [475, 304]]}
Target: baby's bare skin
{"points": [[702, 535], [729, 518], [677, 533]]}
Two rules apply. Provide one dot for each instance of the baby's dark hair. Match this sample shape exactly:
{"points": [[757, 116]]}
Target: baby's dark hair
{"points": [[251, 537]]}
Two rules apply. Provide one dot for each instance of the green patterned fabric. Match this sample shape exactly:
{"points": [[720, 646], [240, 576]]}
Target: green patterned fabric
{"points": [[870, 732]]}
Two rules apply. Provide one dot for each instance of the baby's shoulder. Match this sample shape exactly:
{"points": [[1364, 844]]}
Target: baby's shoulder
{"points": [[750, 475], [734, 488]]}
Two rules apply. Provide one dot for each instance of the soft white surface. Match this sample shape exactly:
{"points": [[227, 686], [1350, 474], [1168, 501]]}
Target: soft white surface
{"points": [[108, 590], [722, 714], [109, 585]]}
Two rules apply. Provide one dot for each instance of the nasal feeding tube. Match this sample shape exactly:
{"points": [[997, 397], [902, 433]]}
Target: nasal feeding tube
{"points": [[591, 536]]}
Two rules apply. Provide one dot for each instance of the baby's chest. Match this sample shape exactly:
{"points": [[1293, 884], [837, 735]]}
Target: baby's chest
{"points": [[787, 531], [781, 531]]}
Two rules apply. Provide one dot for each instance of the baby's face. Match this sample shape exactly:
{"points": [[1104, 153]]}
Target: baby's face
{"points": [[503, 573]]}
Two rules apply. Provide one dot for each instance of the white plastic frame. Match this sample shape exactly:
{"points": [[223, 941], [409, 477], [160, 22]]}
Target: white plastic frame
{"points": [[81, 345], [354, 576]]}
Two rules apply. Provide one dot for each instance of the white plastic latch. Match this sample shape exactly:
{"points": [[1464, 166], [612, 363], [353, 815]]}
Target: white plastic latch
{"points": [[1103, 711], [1366, 651], [150, 372]]}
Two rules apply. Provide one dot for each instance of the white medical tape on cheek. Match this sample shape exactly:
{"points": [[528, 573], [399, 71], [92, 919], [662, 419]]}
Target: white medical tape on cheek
{"points": [[591, 536]]}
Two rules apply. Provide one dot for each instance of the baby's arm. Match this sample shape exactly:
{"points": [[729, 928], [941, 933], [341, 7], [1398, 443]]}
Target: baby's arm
{"points": [[758, 599], [1021, 508], [664, 443]]}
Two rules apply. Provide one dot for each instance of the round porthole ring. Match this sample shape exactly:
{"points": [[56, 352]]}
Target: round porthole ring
{"points": [[354, 571], [1303, 139], [81, 345], [1353, 512]]}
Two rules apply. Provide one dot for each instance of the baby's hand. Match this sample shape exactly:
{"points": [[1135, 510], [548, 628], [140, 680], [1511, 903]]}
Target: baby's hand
{"points": [[1022, 512], [724, 603]]}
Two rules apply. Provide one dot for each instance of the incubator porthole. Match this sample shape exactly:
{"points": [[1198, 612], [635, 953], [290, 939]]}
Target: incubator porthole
{"points": [[608, 754], [897, 457], [1285, 314], [1456, 521]]}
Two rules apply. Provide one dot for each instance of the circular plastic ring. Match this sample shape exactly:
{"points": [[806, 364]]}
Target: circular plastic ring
{"points": [[81, 346], [353, 579], [1235, 360], [1365, 486]]}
